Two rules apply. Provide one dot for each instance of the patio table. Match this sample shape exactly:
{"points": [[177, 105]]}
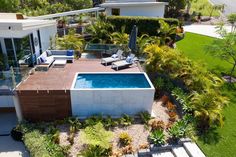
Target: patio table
{"points": [[59, 63]]}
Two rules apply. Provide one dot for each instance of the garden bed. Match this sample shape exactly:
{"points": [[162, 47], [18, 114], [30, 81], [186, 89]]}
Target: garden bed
{"points": [[129, 135]]}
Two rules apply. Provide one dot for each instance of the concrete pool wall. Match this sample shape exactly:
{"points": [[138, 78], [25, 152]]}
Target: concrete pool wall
{"points": [[111, 101]]}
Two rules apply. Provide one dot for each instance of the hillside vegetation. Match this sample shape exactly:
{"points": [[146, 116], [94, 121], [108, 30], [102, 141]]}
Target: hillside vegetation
{"points": [[42, 7]]}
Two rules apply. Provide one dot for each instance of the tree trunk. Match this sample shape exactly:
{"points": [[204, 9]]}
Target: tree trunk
{"points": [[231, 73]]}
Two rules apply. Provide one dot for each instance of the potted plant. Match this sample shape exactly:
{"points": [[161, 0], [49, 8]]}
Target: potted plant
{"points": [[16, 133]]}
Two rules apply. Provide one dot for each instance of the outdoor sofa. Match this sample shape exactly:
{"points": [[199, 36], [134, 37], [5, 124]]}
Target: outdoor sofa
{"points": [[47, 58]]}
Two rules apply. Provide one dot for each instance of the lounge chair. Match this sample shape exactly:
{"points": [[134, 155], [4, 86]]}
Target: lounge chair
{"points": [[124, 63], [115, 57]]}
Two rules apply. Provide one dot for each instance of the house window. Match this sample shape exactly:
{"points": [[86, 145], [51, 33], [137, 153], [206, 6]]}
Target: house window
{"points": [[115, 11]]}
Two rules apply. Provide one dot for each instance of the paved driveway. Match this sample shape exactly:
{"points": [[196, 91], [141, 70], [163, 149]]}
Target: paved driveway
{"points": [[230, 5], [11, 148]]}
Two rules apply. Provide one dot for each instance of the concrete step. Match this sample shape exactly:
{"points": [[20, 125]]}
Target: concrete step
{"points": [[163, 154], [179, 152], [193, 150]]}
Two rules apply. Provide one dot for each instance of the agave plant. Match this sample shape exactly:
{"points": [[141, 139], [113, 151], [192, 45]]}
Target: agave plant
{"points": [[177, 130], [157, 137], [145, 117]]}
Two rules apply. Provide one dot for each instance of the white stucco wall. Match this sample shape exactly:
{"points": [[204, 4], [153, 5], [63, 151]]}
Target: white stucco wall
{"points": [[6, 101], [111, 101], [149, 11], [45, 34]]}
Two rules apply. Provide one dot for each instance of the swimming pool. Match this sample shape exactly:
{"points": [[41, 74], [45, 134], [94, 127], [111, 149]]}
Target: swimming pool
{"points": [[111, 94], [104, 80]]}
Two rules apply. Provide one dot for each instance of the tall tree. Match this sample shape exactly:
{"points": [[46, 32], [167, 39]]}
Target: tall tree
{"points": [[9, 5], [174, 7], [225, 48]]}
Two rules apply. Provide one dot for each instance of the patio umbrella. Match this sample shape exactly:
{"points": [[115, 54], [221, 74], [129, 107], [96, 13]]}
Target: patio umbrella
{"points": [[133, 38]]}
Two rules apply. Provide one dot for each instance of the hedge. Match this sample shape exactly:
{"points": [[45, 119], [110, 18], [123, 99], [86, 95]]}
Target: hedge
{"points": [[146, 25]]}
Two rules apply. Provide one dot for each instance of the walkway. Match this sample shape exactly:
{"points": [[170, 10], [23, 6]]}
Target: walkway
{"points": [[208, 30], [9, 147]]}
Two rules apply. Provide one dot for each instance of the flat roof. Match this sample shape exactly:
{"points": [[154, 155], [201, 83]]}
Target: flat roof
{"points": [[131, 4], [68, 13], [25, 24]]}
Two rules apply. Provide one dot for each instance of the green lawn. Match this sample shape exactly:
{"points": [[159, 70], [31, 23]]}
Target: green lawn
{"points": [[193, 47]]}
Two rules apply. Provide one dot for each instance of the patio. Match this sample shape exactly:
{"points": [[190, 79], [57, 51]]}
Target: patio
{"points": [[61, 78], [46, 95]]}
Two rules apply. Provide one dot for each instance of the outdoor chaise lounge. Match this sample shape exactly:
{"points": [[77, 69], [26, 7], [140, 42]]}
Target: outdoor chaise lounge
{"points": [[115, 57], [124, 63]]}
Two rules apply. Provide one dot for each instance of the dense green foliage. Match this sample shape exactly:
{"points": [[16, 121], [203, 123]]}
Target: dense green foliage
{"points": [[153, 24], [96, 136], [42, 7], [157, 137], [174, 7], [70, 41], [225, 49], [206, 99], [40, 145], [220, 142]]}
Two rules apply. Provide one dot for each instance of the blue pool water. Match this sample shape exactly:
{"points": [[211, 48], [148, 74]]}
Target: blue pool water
{"points": [[111, 81]]}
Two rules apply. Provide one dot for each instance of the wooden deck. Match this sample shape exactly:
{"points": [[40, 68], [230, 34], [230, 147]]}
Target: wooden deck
{"points": [[62, 78]]}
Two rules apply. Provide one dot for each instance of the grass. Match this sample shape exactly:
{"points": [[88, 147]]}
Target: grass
{"points": [[203, 6], [223, 142]]}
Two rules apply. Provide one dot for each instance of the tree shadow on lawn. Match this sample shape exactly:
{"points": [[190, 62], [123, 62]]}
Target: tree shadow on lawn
{"points": [[212, 136]]}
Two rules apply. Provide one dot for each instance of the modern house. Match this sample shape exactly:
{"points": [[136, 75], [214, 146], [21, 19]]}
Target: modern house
{"points": [[149, 8], [21, 42]]}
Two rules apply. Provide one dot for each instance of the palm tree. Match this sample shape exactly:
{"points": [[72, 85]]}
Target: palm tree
{"points": [[120, 37], [207, 108], [70, 41], [100, 31]]}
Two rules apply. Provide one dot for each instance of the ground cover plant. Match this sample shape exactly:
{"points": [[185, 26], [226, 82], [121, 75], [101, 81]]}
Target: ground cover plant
{"points": [[221, 141]]}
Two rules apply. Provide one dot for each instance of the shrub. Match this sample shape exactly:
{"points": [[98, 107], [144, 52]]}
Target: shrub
{"points": [[93, 120], [109, 122], [40, 145], [206, 100], [74, 124], [145, 117], [96, 136], [142, 23], [157, 137], [156, 124], [126, 120], [125, 139], [94, 151]]}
